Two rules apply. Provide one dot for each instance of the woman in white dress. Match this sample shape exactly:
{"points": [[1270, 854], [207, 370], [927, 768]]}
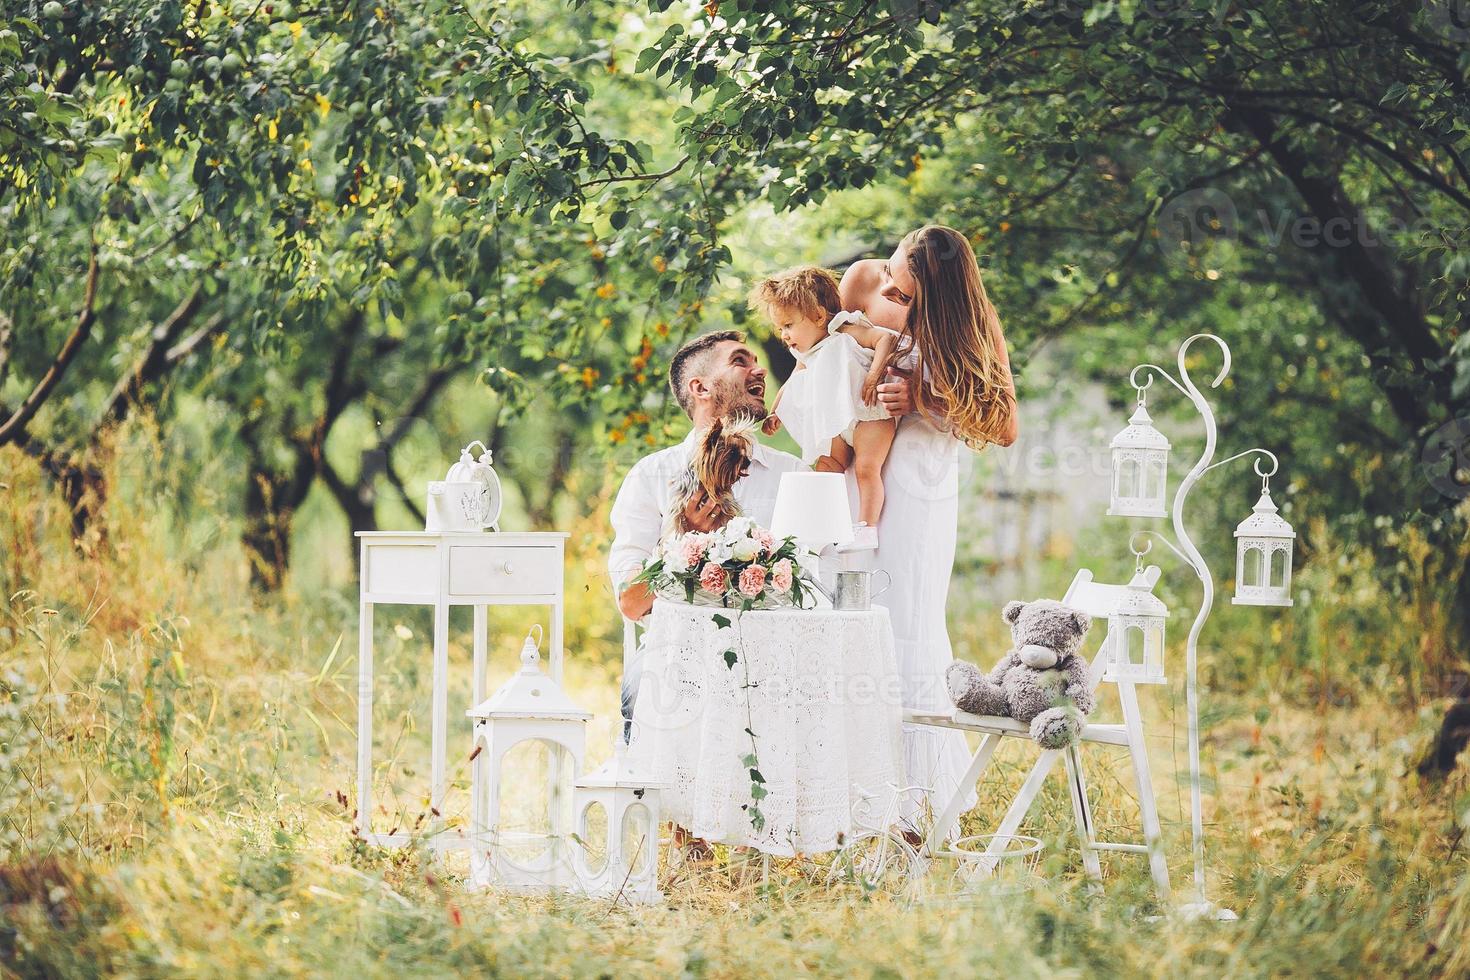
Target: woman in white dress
{"points": [[953, 386]]}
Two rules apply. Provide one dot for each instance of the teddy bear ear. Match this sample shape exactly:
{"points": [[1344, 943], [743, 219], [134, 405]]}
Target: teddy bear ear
{"points": [[1012, 611], [1083, 621]]}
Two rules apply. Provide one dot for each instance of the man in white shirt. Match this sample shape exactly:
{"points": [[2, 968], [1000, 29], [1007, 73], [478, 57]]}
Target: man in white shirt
{"points": [[713, 376]]}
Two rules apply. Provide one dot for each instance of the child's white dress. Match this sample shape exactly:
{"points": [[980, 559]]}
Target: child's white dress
{"points": [[825, 399]]}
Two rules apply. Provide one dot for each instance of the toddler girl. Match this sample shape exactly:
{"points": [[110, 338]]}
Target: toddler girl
{"points": [[830, 402]]}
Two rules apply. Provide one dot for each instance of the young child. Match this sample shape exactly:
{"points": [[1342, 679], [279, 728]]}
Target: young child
{"points": [[830, 403]]}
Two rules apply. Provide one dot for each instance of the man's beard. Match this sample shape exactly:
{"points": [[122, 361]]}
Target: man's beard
{"points": [[733, 400]]}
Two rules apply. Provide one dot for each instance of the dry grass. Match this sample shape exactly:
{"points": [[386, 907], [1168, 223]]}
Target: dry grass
{"points": [[178, 773]]}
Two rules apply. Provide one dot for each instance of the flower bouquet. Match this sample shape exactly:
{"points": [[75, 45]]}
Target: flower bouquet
{"points": [[739, 565]]}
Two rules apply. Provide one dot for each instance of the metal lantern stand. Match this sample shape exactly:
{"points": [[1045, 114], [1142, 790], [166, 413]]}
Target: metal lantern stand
{"points": [[1201, 907]]}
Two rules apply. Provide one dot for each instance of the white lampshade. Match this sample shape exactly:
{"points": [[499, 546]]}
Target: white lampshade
{"points": [[812, 508]]}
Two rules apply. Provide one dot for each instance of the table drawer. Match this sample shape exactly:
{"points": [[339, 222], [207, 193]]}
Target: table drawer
{"points": [[504, 571], [408, 570]]}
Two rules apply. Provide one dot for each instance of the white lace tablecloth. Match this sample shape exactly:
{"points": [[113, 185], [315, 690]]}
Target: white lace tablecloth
{"points": [[820, 691]]}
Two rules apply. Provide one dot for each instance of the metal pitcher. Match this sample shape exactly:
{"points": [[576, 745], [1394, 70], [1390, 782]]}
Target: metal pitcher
{"points": [[854, 590]]}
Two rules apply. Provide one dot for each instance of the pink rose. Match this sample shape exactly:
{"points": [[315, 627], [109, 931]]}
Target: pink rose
{"points": [[712, 579], [765, 540], [691, 550], [752, 580], [781, 575]]}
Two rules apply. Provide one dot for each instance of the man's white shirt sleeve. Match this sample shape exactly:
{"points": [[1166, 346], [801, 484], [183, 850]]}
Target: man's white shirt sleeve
{"points": [[637, 520]]}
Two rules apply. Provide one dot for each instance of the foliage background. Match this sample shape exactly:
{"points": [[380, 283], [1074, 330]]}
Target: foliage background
{"points": [[265, 265]]}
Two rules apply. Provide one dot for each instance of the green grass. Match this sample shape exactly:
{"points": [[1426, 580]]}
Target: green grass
{"points": [[178, 778]]}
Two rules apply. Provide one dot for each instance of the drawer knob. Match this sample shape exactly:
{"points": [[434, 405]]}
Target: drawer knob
{"points": [[507, 568]]}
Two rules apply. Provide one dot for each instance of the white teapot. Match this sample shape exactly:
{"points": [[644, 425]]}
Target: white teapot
{"points": [[468, 498]]}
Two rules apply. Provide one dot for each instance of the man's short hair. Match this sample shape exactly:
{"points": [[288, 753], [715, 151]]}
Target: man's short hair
{"points": [[690, 359]]}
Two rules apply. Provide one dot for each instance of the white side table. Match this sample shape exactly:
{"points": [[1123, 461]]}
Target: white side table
{"points": [[443, 569]]}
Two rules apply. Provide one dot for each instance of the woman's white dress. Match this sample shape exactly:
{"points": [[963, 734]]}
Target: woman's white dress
{"points": [[916, 546], [824, 400]]}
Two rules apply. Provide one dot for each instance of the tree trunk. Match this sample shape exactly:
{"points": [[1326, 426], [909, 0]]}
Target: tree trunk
{"points": [[267, 534]]}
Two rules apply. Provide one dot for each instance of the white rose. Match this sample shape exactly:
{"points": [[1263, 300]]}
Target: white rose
{"points": [[673, 556], [739, 527], [745, 549]]}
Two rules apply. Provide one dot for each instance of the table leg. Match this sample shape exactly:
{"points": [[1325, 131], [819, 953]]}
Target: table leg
{"points": [[556, 651], [439, 732], [478, 690], [364, 719]]}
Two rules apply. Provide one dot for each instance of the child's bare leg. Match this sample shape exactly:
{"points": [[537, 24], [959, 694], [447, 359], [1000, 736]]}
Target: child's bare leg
{"points": [[841, 453], [870, 444]]}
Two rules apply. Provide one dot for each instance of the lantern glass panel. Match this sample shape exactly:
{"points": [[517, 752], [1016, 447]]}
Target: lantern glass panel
{"points": [[1128, 478], [1252, 572], [592, 829], [1133, 646], [535, 799], [1278, 568], [639, 839], [1153, 484], [1154, 651]]}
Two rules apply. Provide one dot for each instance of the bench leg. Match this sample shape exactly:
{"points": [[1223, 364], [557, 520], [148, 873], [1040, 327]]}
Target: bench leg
{"points": [[1081, 811], [950, 815], [1021, 805], [1147, 802]]}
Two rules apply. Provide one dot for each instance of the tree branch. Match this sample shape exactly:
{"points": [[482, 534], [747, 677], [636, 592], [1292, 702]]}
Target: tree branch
{"points": [[6, 336], [154, 363], [14, 427], [185, 347]]}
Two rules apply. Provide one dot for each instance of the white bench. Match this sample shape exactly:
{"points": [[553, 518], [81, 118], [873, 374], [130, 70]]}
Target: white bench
{"points": [[1097, 599]]}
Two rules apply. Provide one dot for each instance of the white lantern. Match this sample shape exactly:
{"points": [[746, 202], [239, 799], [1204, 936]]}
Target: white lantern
{"points": [[530, 711], [1140, 467], [1136, 634], [1263, 545], [615, 854]]}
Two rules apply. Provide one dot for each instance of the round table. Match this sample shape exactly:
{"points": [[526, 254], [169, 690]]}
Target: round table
{"points": [[813, 695]]}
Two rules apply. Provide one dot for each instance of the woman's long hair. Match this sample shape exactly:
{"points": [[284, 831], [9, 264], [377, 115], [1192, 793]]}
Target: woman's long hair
{"points": [[959, 374]]}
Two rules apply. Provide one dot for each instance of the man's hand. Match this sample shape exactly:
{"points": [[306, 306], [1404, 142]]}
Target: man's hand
{"points": [[635, 601], [700, 514], [771, 425], [896, 393]]}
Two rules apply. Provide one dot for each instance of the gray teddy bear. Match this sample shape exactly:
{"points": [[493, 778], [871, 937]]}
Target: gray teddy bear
{"points": [[1042, 680]]}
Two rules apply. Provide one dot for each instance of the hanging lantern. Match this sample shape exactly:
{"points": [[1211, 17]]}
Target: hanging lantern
{"points": [[1136, 633], [1263, 546], [519, 843], [615, 853], [1140, 466]]}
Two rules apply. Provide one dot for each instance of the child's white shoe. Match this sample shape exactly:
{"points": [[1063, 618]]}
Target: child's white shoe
{"points": [[864, 538]]}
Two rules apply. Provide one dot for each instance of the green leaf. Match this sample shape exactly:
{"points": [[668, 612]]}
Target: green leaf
{"points": [[730, 658], [722, 622]]}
